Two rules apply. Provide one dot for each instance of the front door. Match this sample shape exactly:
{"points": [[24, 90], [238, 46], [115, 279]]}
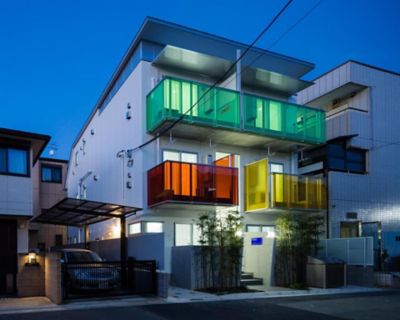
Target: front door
{"points": [[374, 230], [8, 255]]}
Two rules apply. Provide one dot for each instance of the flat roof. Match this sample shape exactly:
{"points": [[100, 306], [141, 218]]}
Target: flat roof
{"points": [[38, 141], [169, 33], [79, 212]]}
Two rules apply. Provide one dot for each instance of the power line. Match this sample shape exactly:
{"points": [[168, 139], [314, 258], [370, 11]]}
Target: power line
{"points": [[175, 122]]}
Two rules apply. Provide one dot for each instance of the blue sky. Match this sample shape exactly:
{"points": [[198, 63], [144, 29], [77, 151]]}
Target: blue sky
{"points": [[56, 56]]}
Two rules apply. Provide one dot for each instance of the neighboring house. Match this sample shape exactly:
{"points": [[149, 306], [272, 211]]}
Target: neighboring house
{"points": [[49, 177], [23, 193], [362, 155], [19, 152], [235, 151]]}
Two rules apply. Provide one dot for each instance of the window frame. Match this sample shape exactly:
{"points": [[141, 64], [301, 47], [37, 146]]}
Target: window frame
{"points": [[51, 166], [180, 155], [21, 147]]}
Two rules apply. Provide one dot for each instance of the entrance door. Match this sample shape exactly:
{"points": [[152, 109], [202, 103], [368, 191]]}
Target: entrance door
{"points": [[374, 229], [8, 255]]}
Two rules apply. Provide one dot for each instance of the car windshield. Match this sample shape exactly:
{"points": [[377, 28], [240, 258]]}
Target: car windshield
{"points": [[82, 256]]}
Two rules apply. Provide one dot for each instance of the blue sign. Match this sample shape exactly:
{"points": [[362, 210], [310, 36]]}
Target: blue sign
{"points": [[256, 241]]}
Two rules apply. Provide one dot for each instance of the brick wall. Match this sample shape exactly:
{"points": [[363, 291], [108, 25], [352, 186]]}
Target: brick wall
{"points": [[30, 279]]}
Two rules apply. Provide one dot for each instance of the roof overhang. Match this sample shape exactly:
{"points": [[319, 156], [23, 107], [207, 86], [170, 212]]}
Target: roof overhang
{"points": [[78, 212], [37, 141], [327, 100], [179, 59], [272, 81]]}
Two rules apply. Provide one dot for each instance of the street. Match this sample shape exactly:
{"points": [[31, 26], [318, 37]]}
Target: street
{"points": [[381, 305]]}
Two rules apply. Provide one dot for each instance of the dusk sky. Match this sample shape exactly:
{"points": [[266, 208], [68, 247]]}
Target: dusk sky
{"points": [[57, 56]]}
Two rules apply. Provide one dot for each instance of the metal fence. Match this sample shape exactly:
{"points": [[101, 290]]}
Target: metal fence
{"points": [[86, 279], [354, 251]]}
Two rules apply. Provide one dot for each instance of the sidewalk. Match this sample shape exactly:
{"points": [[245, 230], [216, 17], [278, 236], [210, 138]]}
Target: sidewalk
{"points": [[176, 295]]}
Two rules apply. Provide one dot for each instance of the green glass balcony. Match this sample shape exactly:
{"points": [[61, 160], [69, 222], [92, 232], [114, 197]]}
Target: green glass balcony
{"points": [[283, 120], [172, 98], [264, 119]]}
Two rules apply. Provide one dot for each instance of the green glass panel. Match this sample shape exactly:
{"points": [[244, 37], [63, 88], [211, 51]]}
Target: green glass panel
{"points": [[221, 107], [283, 120]]}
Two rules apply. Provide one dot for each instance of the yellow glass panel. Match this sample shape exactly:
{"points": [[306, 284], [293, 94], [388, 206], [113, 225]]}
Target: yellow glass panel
{"points": [[186, 103], [256, 185], [298, 192]]}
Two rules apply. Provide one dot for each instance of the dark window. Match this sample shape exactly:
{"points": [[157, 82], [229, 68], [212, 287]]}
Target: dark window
{"points": [[346, 159], [58, 240], [14, 161], [51, 174]]}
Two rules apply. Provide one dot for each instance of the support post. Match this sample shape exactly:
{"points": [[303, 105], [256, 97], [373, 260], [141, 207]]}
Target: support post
{"points": [[86, 236], [123, 250]]}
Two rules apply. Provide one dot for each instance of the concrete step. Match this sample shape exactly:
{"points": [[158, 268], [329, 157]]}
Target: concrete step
{"points": [[251, 282], [247, 275]]}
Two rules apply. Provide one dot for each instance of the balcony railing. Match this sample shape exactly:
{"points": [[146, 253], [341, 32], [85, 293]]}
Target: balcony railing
{"points": [[301, 192], [281, 191], [172, 98], [173, 181], [219, 107], [283, 120]]}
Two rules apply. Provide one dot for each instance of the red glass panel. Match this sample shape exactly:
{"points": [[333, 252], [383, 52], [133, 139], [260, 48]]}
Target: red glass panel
{"points": [[188, 182]]}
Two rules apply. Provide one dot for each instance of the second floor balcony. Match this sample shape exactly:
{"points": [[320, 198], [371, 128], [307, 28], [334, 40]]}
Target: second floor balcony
{"points": [[191, 183], [282, 191], [218, 112]]}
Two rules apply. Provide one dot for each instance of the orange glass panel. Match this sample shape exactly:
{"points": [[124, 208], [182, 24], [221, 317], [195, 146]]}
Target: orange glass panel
{"points": [[188, 182]]}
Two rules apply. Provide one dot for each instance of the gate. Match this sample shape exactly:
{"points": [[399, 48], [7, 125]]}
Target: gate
{"points": [[83, 279]]}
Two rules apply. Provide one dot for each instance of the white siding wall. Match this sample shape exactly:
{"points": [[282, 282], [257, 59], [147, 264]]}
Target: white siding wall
{"points": [[374, 196], [114, 133]]}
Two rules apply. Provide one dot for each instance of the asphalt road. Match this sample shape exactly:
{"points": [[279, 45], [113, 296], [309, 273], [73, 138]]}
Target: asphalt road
{"points": [[379, 306]]}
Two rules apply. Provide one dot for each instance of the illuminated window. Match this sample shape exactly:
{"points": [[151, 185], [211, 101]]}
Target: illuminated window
{"points": [[268, 230], [179, 156], [135, 228], [186, 234], [154, 227]]}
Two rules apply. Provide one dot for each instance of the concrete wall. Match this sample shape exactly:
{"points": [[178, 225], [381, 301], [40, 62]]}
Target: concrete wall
{"points": [[53, 289], [259, 259]]}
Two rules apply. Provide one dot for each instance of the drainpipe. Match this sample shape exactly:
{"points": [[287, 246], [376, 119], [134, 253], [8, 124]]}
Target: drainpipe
{"points": [[239, 87]]}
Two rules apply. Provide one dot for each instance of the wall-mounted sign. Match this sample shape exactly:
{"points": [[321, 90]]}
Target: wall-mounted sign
{"points": [[257, 241]]}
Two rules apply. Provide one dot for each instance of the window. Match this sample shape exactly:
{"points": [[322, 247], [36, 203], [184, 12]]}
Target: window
{"points": [[14, 161], [154, 227], [179, 156], [186, 234], [51, 174], [135, 228], [346, 159], [183, 234], [269, 230], [276, 167], [350, 229]]}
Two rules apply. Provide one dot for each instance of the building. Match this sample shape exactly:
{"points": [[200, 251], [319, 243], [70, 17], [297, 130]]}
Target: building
{"points": [[23, 192], [235, 150], [49, 176], [360, 159]]}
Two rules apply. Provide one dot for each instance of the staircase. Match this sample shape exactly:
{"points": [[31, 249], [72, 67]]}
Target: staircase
{"points": [[247, 279]]}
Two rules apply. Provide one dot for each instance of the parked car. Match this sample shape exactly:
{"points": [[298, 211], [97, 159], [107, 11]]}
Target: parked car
{"points": [[85, 270]]}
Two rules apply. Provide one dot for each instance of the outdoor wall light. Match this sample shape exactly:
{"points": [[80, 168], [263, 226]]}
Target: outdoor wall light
{"points": [[32, 259]]}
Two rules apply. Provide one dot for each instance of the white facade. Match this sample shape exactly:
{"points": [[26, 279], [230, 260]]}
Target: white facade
{"points": [[98, 170], [363, 101]]}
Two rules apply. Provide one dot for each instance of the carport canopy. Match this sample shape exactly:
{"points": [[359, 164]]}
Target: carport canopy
{"points": [[81, 212]]}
